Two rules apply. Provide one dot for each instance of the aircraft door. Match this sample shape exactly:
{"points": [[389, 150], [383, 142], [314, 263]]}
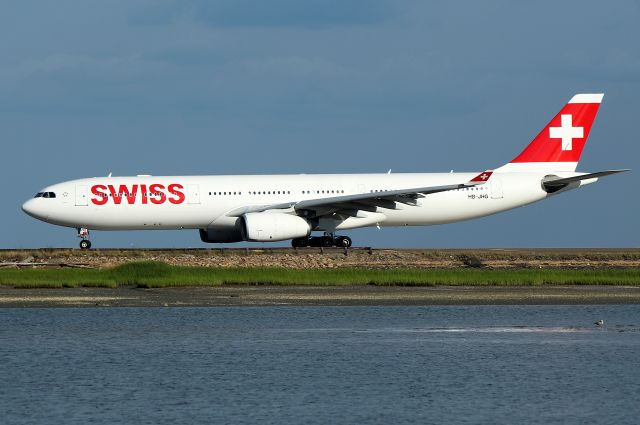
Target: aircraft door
{"points": [[81, 195], [193, 194], [496, 188]]}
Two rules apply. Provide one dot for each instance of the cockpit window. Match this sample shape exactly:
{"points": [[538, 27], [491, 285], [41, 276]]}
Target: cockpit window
{"points": [[45, 195]]}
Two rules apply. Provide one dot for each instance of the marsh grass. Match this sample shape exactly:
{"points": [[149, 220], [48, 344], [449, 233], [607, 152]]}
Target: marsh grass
{"points": [[150, 274]]}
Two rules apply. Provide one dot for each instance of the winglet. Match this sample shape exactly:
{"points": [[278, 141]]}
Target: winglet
{"points": [[482, 177]]}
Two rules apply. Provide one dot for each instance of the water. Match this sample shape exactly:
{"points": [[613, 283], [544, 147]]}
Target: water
{"points": [[319, 365]]}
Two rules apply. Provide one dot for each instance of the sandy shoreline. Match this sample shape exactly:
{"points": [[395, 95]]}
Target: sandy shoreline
{"points": [[226, 296]]}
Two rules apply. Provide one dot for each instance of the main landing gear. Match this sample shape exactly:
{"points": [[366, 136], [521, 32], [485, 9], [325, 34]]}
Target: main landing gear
{"points": [[326, 241], [83, 233]]}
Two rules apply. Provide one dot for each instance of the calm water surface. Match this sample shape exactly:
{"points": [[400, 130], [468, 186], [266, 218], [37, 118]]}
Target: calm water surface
{"points": [[319, 365]]}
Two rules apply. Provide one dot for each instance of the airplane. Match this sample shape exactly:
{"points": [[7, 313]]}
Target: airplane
{"points": [[268, 208]]}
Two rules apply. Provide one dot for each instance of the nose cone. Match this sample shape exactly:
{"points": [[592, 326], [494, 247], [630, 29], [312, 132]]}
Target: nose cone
{"points": [[30, 207]]}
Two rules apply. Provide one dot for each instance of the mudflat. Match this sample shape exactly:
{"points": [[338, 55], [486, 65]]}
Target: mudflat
{"points": [[245, 295]]}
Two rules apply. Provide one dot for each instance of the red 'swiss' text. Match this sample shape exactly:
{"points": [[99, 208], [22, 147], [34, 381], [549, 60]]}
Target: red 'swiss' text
{"points": [[128, 194]]}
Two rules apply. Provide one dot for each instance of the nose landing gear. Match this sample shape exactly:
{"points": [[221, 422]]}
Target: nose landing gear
{"points": [[326, 241], [83, 233]]}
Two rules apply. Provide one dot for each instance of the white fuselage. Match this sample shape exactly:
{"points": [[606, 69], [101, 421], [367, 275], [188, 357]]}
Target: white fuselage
{"points": [[289, 207], [197, 202]]}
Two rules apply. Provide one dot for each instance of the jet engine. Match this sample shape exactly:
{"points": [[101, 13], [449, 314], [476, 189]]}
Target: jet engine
{"points": [[223, 234], [269, 227]]}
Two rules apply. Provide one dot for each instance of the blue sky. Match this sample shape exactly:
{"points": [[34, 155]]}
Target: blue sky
{"points": [[285, 86]]}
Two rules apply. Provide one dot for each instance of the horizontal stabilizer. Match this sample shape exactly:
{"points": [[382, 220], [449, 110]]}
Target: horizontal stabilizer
{"points": [[554, 184]]}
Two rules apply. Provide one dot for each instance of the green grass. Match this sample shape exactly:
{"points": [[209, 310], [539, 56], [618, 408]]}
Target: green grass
{"points": [[148, 274]]}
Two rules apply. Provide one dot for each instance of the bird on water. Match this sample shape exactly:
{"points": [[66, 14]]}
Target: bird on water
{"points": [[599, 322]]}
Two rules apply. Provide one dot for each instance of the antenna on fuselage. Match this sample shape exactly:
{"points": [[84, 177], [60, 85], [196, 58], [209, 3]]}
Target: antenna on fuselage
{"points": [[109, 174]]}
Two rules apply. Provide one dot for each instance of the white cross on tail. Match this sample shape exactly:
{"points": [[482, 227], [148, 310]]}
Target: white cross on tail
{"points": [[567, 132]]}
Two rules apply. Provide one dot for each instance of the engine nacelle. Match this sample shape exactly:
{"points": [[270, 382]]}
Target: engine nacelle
{"points": [[268, 227], [223, 234]]}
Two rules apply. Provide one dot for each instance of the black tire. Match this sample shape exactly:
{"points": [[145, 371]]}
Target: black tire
{"points": [[327, 241], [343, 241], [85, 244], [300, 242]]}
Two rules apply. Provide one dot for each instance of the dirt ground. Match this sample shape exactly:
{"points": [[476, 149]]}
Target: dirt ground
{"points": [[330, 258]]}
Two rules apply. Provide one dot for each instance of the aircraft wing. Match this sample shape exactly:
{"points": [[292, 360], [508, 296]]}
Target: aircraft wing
{"points": [[369, 201]]}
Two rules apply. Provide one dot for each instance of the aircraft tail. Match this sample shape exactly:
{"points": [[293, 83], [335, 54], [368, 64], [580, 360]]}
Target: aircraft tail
{"points": [[559, 145]]}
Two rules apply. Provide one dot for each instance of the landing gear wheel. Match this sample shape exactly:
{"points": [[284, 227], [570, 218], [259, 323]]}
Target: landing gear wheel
{"points": [[321, 241], [300, 242], [83, 233], [315, 241], [343, 241]]}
